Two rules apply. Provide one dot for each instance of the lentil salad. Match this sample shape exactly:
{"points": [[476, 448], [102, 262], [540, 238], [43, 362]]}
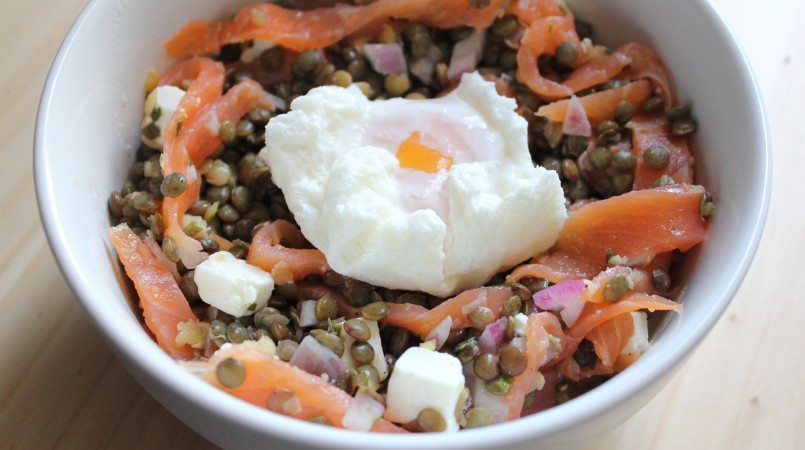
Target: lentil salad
{"points": [[635, 153]]}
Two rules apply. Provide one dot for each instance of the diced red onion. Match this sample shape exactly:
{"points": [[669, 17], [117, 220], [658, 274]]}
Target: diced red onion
{"points": [[313, 357], [440, 332], [466, 55], [362, 413], [493, 335], [156, 250], [564, 296], [385, 58], [307, 313], [576, 122]]}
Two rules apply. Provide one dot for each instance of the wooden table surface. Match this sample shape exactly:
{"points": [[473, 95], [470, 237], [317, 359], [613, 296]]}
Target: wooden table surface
{"points": [[61, 387]]}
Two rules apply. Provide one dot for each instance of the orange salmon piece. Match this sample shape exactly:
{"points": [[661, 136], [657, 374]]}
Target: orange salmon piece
{"points": [[609, 338], [646, 64], [556, 267], [281, 241], [601, 105], [163, 304], [637, 225], [655, 131], [541, 38], [266, 374], [421, 320], [322, 27]]}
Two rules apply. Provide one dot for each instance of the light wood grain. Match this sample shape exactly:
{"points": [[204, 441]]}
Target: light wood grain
{"points": [[61, 387]]}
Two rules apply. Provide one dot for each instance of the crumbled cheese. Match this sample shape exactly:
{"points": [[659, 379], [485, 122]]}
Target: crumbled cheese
{"points": [[165, 100], [232, 285]]}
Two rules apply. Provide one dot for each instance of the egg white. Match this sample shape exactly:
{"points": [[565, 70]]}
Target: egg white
{"points": [[333, 156]]}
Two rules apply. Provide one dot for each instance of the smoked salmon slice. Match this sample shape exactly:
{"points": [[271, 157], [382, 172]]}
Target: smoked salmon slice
{"points": [[319, 28], [655, 131], [636, 226], [264, 374], [283, 242], [164, 306], [601, 105], [422, 321]]}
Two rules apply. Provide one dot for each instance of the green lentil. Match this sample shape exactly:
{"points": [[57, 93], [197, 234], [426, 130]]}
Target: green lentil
{"points": [[511, 306], [500, 386], [570, 169], [707, 206], [260, 115], [321, 420], [679, 112], [308, 61], [368, 377], [661, 279], [217, 172], [399, 341], [397, 84], [357, 69], [616, 288], [607, 125], [579, 190], [326, 308], [362, 352], [151, 131], [280, 332], [429, 420], [622, 183], [143, 202], [653, 104], [227, 132], [279, 398], [505, 27], [375, 311], [244, 128], [358, 329], [552, 163], [173, 185], [485, 366], [387, 35], [332, 342], [478, 417], [663, 180], [656, 157], [508, 59], [623, 161], [600, 157], [683, 127], [342, 78], [230, 373], [243, 229], [624, 111], [228, 214], [285, 349], [236, 333], [481, 317], [241, 199], [512, 360], [567, 53], [209, 246]]}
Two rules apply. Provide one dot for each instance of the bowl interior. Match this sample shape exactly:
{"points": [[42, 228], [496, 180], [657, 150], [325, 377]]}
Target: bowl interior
{"points": [[87, 134]]}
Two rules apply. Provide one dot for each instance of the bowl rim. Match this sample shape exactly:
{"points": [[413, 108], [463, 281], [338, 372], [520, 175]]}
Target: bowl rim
{"points": [[169, 375]]}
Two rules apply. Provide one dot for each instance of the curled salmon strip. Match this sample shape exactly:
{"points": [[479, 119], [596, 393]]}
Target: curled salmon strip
{"points": [[282, 242], [322, 27]]}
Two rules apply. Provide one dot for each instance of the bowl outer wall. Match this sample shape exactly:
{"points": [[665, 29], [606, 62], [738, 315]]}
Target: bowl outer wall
{"points": [[733, 157]]}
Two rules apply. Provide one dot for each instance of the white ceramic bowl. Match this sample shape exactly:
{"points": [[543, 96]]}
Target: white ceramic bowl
{"points": [[86, 136]]}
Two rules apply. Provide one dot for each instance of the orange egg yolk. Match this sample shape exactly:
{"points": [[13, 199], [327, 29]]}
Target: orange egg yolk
{"points": [[414, 154]]}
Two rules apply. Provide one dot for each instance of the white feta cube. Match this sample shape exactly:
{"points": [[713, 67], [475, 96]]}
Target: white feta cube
{"points": [[161, 103], [232, 285], [379, 362], [639, 340], [424, 379]]}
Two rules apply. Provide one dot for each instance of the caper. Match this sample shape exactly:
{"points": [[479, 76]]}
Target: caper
{"points": [[308, 61], [481, 317], [367, 376], [397, 84], [682, 127], [429, 420], [679, 112], [286, 349], [375, 311], [505, 27], [478, 417], [656, 157], [707, 206], [653, 104], [624, 111], [230, 373], [332, 342], [661, 279], [623, 161], [567, 53], [500, 385], [485, 366], [600, 157], [511, 306], [663, 180], [362, 352], [358, 329], [512, 360], [173, 185], [236, 333], [616, 288]]}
